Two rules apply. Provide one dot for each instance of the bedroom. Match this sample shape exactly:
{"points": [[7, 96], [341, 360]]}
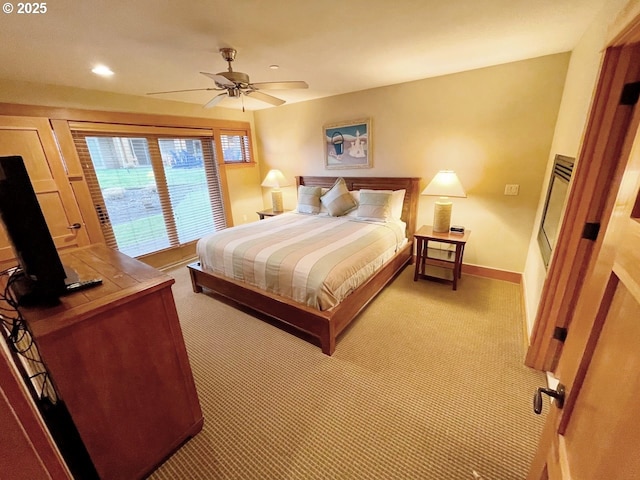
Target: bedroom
{"points": [[456, 100]]}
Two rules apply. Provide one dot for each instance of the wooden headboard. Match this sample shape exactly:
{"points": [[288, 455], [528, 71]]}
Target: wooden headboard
{"points": [[410, 184]]}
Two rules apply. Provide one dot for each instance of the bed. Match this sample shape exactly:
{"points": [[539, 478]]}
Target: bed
{"points": [[325, 317]]}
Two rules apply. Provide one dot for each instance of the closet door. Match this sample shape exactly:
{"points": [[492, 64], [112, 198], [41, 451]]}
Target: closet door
{"points": [[33, 139]]}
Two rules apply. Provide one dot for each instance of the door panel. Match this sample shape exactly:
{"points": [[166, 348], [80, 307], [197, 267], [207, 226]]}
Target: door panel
{"points": [[33, 139], [605, 422]]}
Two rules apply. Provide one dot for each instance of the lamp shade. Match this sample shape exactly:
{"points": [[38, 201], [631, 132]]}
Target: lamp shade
{"points": [[445, 184], [275, 179]]}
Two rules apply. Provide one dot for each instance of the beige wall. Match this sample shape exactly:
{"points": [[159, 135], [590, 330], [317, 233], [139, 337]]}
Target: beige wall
{"points": [[244, 183], [580, 83], [493, 126]]}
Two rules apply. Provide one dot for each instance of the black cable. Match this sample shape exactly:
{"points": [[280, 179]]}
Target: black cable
{"points": [[21, 342]]}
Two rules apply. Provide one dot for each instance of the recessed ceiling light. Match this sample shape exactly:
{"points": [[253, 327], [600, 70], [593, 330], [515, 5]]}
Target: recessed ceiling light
{"points": [[102, 70], [274, 67]]}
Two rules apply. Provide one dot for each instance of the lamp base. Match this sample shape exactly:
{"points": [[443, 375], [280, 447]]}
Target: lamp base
{"points": [[442, 216], [276, 201]]}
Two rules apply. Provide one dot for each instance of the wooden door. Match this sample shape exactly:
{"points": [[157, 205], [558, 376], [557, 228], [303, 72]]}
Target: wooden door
{"points": [[597, 432], [32, 138]]}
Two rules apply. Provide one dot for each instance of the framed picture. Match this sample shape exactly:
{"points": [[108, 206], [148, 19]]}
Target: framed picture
{"points": [[348, 145]]}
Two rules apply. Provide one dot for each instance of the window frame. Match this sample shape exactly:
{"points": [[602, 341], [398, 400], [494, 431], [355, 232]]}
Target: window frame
{"points": [[247, 148], [161, 184], [171, 255], [59, 119]]}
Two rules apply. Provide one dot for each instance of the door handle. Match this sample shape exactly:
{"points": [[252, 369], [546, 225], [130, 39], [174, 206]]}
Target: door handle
{"points": [[75, 226], [557, 394]]}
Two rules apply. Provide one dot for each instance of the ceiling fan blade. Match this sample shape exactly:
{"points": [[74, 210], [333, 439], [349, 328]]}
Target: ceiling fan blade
{"points": [[280, 85], [215, 100], [265, 98], [187, 90], [219, 79]]}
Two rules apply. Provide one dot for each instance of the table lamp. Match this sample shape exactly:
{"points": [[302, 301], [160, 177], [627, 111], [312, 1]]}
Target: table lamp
{"points": [[275, 179], [444, 185]]}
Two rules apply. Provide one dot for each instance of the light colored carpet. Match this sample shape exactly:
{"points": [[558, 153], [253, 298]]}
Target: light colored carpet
{"points": [[427, 383]]}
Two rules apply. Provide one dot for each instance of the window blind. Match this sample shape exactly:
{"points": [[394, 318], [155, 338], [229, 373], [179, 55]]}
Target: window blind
{"points": [[235, 146], [151, 191]]}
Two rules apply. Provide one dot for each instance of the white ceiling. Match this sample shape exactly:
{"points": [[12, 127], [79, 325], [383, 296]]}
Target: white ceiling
{"points": [[336, 46]]}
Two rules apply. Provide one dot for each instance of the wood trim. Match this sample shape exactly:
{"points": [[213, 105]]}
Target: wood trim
{"points": [[523, 315], [77, 180], [238, 165], [140, 129], [80, 115], [171, 257], [591, 199], [496, 274], [40, 457]]}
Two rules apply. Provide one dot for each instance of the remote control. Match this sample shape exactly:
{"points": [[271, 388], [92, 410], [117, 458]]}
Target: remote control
{"points": [[75, 286]]}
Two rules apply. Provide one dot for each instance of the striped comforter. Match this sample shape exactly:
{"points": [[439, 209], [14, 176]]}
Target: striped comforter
{"points": [[311, 259]]}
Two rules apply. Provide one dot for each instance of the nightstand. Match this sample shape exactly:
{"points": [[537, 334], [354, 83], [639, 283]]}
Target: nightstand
{"points": [[269, 213], [445, 258]]}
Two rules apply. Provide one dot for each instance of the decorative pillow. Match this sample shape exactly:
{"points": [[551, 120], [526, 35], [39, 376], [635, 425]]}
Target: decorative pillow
{"points": [[356, 196], [323, 209], [375, 205], [308, 199], [338, 200]]}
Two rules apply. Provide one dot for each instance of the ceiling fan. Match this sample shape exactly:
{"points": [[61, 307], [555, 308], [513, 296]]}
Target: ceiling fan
{"points": [[235, 84]]}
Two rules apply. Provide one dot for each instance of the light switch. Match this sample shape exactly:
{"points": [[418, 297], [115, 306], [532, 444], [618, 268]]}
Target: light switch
{"points": [[511, 189]]}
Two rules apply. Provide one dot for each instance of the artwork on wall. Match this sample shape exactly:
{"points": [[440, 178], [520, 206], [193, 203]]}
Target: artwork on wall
{"points": [[348, 145]]}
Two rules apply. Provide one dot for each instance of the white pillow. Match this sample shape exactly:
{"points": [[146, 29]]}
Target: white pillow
{"points": [[355, 194], [375, 205], [397, 200]]}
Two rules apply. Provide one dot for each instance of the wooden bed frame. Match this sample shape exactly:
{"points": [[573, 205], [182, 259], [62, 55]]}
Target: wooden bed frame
{"points": [[324, 325]]}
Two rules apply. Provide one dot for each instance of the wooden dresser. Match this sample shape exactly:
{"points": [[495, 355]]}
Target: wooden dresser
{"points": [[116, 355]]}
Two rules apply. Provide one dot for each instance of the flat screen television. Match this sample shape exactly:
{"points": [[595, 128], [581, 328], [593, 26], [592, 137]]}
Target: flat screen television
{"points": [[41, 279]]}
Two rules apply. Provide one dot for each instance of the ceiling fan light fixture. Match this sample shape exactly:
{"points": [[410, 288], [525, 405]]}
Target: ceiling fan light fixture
{"points": [[237, 84], [229, 54]]}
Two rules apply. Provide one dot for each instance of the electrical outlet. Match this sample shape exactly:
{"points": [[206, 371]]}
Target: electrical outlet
{"points": [[511, 189]]}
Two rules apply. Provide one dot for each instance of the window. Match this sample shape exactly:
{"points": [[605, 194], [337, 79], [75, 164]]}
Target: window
{"points": [[152, 191], [235, 146]]}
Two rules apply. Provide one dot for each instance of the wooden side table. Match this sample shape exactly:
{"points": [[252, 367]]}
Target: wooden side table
{"points": [[269, 213], [439, 258]]}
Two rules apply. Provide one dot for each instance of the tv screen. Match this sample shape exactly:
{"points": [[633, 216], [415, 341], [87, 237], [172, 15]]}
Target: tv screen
{"points": [[42, 276]]}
